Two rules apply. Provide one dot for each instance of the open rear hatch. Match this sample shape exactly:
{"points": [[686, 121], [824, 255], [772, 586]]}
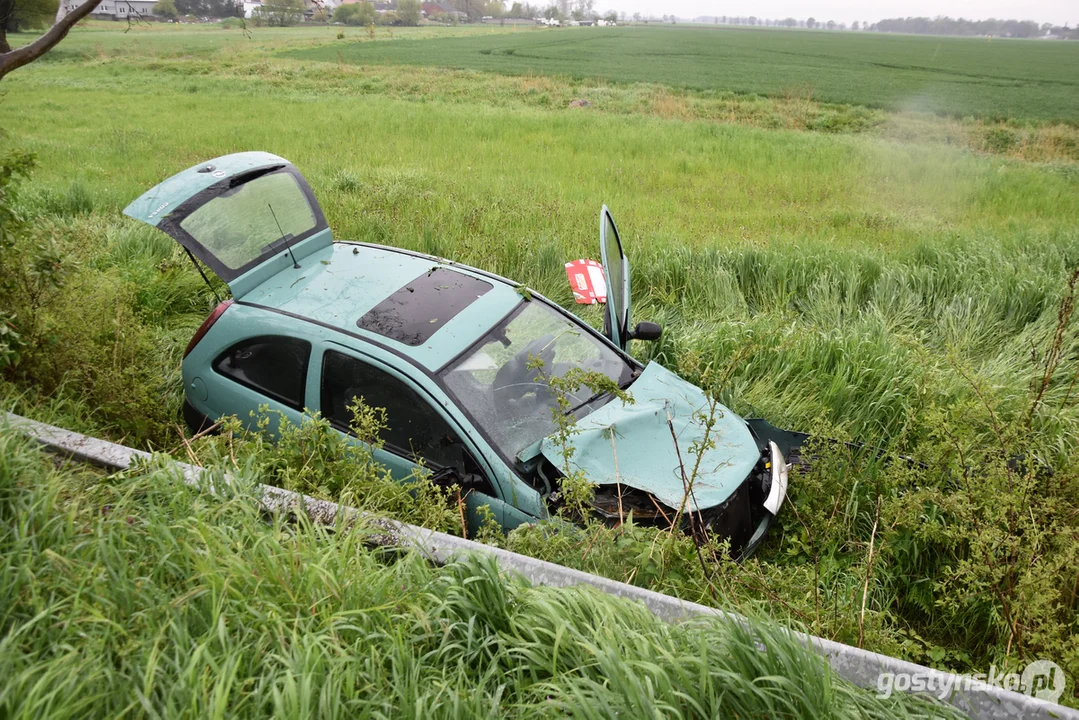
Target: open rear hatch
{"points": [[246, 216]]}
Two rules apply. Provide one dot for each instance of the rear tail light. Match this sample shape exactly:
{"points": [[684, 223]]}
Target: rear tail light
{"points": [[206, 325]]}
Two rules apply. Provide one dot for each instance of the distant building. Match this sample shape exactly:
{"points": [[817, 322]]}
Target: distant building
{"points": [[249, 7], [431, 9], [111, 9]]}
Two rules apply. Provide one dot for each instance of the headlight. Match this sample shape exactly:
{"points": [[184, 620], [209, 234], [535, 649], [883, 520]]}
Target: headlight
{"points": [[780, 470]]}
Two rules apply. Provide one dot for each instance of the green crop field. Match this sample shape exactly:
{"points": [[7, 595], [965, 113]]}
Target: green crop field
{"points": [[1016, 79], [900, 278]]}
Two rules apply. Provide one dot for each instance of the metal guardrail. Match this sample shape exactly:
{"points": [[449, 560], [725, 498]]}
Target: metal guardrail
{"points": [[860, 667]]}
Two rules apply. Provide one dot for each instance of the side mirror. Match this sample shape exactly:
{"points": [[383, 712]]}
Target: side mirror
{"points": [[646, 331], [446, 476]]}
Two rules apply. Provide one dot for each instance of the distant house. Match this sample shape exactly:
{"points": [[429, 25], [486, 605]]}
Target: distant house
{"points": [[431, 9], [249, 7], [111, 9]]}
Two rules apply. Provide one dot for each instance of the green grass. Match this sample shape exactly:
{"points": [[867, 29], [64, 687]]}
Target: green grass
{"points": [[893, 282], [1003, 79], [138, 596]]}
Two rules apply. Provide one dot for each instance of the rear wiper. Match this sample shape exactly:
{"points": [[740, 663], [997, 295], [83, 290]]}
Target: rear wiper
{"points": [[597, 395]]}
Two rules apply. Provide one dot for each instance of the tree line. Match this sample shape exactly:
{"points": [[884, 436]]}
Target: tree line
{"points": [[942, 25], [939, 25]]}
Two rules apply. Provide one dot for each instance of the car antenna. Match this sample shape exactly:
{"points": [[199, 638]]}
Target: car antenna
{"points": [[295, 265], [208, 283]]}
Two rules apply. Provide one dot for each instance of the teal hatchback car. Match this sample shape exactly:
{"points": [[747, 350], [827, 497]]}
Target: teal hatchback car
{"points": [[451, 353]]}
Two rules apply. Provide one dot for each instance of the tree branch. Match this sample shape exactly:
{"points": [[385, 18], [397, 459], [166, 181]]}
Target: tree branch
{"points": [[29, 53]]}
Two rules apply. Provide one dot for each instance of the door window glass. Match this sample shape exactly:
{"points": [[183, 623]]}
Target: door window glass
{"points": [[273, 365], [615, 291], [413, 427]]}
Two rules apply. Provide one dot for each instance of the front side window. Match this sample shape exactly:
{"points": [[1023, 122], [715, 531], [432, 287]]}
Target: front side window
{"points": [[413, 428], [502, 383], [251, 219], [275, 366]]}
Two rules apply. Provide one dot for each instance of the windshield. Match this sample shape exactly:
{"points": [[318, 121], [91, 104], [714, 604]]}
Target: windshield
{"points": [[511, 400], [244, 222]]}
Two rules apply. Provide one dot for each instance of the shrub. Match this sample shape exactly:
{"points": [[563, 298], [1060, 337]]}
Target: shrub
{"points": [[409, 12], [357, 14]]}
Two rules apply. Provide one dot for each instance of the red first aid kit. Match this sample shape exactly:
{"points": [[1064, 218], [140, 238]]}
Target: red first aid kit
{"points": [[586, 281]]}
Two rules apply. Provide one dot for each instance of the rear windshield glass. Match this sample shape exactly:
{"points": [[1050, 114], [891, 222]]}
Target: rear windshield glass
{"points": [[251, 219], [418, 310]]}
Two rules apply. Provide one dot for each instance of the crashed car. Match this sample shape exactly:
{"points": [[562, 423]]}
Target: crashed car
{"points": [[460, 359]]}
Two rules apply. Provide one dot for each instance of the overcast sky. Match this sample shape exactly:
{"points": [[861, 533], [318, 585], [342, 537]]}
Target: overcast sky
{"points": [[1054, 11]]}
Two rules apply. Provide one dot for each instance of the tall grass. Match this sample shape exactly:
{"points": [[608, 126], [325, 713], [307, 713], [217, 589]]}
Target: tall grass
{"points": [[138, 596], [901, 295]]}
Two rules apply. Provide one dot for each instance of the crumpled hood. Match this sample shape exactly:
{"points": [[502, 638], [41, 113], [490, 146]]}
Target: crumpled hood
{"points": [[647, 459]]}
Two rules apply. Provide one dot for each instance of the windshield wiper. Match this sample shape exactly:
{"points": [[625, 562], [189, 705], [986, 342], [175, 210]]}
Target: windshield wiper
{"points": [[597, 395]]}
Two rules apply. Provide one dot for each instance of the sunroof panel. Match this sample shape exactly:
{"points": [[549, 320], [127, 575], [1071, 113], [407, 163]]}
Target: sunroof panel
{"points": [[418, 310]]}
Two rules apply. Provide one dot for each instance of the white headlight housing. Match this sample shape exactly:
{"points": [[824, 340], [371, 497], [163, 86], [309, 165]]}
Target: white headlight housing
{"points": [[778, 491]]}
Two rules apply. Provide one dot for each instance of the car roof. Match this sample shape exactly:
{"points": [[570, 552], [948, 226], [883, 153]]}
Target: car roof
{"points": [[338, 285]]}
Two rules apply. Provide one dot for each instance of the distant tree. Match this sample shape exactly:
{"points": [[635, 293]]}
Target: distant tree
{"points": [[27, 14], [279, 13], [636, 17], [611, 17], [855, 26], [16, 15], [10, 59], [409, 12], [811, 22], [208, 8], [166, 9], [942, 25], [830, 25], [361, 14], [517, 10]]}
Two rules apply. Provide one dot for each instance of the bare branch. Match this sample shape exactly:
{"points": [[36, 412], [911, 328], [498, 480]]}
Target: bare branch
{"points": [[27, 54]]}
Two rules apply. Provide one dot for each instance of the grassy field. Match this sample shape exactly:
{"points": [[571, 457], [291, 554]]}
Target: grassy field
{"points": [[889, 277], [136, 596], [1001, 79]]}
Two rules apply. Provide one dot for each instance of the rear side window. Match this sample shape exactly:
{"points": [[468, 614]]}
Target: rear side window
{"points": [[274, 365], [414, 428]]}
